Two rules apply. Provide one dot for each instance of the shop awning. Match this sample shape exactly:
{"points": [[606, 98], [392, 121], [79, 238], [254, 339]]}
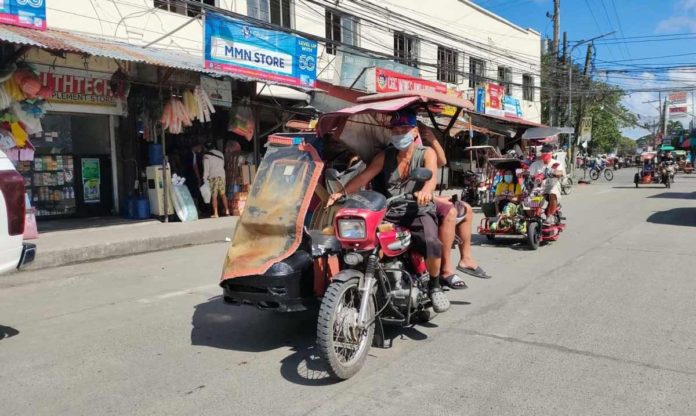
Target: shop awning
{"points": [[58, 40]]}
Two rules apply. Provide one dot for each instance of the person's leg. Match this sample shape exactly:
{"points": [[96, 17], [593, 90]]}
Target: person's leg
{"points": [[463, 231], [223, 194], [214, 197], [446, 235], [553, 205]]}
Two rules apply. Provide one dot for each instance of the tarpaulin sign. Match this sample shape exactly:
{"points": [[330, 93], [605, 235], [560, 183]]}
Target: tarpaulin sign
{"points": [[238, 48], [383, 80], [24, 13]]}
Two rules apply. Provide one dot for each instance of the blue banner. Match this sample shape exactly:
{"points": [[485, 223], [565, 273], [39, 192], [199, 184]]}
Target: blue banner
{"points": [[239, 48], [25, 13], [481, 100]]}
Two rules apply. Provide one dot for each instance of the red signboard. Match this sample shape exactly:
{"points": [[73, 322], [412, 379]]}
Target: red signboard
{"points": [[677, 97], [73, 88], [495, 96], [390, 81], [678, 110]]}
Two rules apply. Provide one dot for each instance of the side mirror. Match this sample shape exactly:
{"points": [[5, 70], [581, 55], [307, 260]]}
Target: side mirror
{"points": [[421, 175], [332, 174]]}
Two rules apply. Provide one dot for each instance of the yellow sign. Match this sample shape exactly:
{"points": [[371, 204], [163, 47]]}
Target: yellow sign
{"points": [[448, 109]]}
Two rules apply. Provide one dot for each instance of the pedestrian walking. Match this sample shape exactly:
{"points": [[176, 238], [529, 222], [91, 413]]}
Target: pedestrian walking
{"points": [[214, 173]]}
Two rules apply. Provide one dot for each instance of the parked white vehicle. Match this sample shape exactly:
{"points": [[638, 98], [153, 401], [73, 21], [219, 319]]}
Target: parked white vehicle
{"points": [[14, 253]]}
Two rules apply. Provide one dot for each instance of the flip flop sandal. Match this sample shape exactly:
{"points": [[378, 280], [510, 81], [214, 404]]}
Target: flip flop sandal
{"points": [[440, 302], [477, 272], [453, 282]]}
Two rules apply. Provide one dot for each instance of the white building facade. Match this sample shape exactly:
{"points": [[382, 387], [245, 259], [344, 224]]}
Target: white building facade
{"points": [[454, 43]]}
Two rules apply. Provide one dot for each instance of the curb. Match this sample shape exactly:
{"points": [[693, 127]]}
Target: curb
{"points": [[63, 256]]}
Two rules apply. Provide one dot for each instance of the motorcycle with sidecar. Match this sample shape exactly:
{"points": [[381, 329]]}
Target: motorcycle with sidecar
{"points": [[355, 267]]}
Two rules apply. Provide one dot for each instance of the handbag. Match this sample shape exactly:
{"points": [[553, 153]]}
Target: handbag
{"points": [[206, 193]]}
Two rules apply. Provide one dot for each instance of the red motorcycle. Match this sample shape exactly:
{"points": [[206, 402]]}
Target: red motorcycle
{"points": [[383, 282]]}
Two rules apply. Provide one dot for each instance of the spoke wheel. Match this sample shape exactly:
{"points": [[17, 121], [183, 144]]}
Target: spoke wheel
{"points": [[594, 174], [608, 175], [341, 343]]}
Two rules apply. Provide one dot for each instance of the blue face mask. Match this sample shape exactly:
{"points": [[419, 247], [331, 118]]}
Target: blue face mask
{"points": [[402, 141], [508, 178]]}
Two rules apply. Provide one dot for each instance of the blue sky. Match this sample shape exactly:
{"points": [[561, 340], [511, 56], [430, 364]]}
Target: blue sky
{"points": [[661, 24]]}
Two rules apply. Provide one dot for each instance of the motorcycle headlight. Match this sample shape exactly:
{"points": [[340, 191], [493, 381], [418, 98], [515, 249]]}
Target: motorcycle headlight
{"points": [[352, 229]]}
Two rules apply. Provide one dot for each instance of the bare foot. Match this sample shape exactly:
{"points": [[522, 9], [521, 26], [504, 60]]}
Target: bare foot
{"points": [[468, 264]]}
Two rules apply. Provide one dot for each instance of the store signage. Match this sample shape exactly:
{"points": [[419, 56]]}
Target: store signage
{"points": [[219, 91], [678, 111], [449, 110], [238, 48], [353, 68], [91, 180], [678, 97], [512, 107], [494, 96], [585, 133], [24, 13], [384, 80], [481, 100], [74, 86]]}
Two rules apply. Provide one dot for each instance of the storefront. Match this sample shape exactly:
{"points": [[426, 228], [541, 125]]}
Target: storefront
{"points": [[73, 170]]}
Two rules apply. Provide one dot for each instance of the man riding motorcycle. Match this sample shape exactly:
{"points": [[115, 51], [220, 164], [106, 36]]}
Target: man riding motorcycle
{"points": [[393, 166], [552, 171]]}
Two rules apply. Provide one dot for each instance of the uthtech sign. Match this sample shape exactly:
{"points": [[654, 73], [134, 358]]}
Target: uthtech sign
{"points": [[238, 48]]}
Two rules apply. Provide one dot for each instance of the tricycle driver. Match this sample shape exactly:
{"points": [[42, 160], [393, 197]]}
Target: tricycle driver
{"points": [[552, 171], [393, 166]]}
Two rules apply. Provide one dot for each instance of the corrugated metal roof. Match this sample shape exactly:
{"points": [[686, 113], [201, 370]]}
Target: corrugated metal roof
{"points": [[58, 40]]}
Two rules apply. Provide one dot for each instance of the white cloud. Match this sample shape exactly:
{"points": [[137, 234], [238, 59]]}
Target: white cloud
{"points": [[684, 17]]}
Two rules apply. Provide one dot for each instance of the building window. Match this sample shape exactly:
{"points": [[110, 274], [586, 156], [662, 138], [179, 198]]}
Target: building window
{"points": [[406, 49], [527, 87], [505, 78], [446, 65], [187, 9], [278, 12], [340, 28], [477, 72]]}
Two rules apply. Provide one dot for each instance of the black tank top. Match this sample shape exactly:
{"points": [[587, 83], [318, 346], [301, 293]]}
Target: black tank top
{"points": [[391, 182]]}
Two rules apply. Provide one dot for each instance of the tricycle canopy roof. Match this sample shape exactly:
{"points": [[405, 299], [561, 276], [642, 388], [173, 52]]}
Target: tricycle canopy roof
{"points": [[538, 133], [648, 155], [365, 127], [507, 163]]}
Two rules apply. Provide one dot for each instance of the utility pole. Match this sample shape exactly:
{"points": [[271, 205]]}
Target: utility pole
{"points": [[555, 87], [664, 120]]}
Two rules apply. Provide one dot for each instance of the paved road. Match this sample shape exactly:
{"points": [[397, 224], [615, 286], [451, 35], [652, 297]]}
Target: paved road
{"points": [[600, 322]]}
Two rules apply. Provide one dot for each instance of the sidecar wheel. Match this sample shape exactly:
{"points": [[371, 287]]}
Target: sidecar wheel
{"points": [[341, 345]]}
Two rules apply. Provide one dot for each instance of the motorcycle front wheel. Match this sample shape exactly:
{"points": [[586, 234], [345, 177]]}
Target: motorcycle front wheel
{"points": [[342, 345], [594, 174]]}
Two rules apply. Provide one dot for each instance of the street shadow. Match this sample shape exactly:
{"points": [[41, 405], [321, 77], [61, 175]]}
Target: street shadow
{"points": [[7, 332], [242, 328], [685, 217], [675, 195]]}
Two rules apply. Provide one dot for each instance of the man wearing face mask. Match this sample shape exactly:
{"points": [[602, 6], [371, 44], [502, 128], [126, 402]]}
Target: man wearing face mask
{"points": [[392, 167], [552, 171]]}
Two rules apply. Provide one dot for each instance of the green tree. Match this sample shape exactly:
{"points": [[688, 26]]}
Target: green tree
{"points": [[627, 146]]}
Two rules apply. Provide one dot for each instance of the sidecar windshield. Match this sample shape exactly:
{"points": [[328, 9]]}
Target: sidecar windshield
{"points": [[270, 228]]}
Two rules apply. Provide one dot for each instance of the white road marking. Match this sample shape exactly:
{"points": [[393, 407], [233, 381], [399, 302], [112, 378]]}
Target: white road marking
{"points": [[176, 293]]}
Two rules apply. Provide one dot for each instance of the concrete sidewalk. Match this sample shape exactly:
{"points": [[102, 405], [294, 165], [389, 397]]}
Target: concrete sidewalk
{"points": [[59, 248]]}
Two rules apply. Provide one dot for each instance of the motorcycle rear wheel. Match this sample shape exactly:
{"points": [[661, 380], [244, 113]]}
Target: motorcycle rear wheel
{"points": [[341, 345], [594, 174]]}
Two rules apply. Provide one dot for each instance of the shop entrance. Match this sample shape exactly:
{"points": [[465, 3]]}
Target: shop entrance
{"points": [[71, 172]]}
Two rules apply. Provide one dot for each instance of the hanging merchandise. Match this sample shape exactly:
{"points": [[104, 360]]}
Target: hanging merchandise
{"points": [[13, 90], [29, 113], [6, 140], [198, 105], [20, 135], [5, 99], [119, 84], [242, 120], [175, 116]]}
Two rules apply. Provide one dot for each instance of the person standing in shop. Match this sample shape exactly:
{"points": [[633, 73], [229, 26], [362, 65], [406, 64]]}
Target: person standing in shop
{"points": [[214, 173]]}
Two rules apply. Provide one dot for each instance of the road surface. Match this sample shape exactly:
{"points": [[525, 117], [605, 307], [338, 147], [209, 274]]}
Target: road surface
{"points": [[601, 322]]}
